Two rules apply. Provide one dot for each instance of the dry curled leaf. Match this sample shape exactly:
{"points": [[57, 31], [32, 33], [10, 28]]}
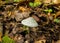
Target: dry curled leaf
{"points": [[40, 41], [20, 16]]}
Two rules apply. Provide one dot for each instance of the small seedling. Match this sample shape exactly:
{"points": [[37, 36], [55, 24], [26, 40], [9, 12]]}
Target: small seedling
{"points": [[57, 20], [6, 39], [35, 4]]}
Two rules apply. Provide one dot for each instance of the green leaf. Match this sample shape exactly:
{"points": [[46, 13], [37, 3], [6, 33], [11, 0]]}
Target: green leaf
{"points": [[57, 20], [6, 39], [16, 0], [36, 4], [19, 0], [31, 4], [50, 10], [46, 10]]}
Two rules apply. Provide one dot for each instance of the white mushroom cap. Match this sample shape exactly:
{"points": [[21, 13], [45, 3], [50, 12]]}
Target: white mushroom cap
{"points": [[30, 22]]}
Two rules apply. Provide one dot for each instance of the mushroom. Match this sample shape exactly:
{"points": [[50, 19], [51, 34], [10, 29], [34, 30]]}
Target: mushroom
{"points": [[30, 22]]}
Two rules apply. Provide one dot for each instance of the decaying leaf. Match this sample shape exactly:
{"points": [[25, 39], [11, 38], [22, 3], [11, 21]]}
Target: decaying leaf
{"points": [[30, 21], [20, 16]]}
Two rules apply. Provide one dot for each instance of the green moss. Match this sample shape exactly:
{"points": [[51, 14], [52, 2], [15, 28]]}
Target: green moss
{"points": [[6, 39]]}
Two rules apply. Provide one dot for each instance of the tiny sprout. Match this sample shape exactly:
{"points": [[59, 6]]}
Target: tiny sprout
{"points": [[48, 10], [57, 20], [31, 4], [35, 4]]}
